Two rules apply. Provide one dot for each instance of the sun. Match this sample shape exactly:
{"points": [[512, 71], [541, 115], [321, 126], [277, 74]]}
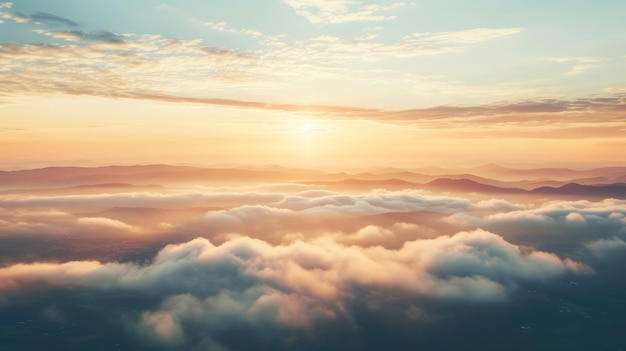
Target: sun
{"points": [[308, 127], [309, 130]]}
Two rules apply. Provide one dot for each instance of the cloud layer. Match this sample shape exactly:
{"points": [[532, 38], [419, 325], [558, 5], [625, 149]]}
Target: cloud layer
{"points": [[297, 263], [249, 281]]}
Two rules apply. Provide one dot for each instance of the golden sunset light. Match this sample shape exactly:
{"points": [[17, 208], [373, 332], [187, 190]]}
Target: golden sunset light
{"points": [[330, 175]]}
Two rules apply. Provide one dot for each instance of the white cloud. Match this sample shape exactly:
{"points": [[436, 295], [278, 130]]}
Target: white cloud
{"points": [[468, 36], [579, 64], [3, 14], [578, 69], [555, 212], [470, 266], [336, 50], [342, 11], [108, 223], [223, 27], [372, 235], [499, 205], [148, 66], [576, 59], [171, 199], [307, 202], [575, 217]]}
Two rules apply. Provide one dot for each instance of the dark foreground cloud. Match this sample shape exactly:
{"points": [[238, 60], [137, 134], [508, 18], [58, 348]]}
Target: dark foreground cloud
{"points": [[250, 284]]}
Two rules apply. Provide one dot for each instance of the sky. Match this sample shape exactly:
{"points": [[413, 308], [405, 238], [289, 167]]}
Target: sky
{"points": [[313, 83], [480, 252]]}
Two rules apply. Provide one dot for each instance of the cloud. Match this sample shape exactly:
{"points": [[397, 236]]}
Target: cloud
{"points": [[110, 65], [531, 110], [374, 202], [499, 205], [183, 318], [153, 68], [575, 217], [335, 211], [469, 266], [27, 221], [204, 292], [468, 36], [580, 64], [334, 110], [43, 18], [276, 217], [224, 53], [223, 27], [595, 117], [113, 65], [307, 202], [19, 276], [282, 217], [342, 11], [331, 51], [371, 236], [572, 211], [576, 59], [143, 67], [74, 35], [579, 69], [3, 13], [560, 223], [107, 222], [399, 261], [605, 248], [165, 199]]}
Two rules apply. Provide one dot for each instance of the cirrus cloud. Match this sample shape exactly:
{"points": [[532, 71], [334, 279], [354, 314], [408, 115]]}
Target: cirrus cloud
{"points": [[342, 11]]}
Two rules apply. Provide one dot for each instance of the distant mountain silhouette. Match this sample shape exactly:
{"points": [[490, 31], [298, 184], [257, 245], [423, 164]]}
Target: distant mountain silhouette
{"points": [[84, 189], [469, 186], [52, 175], [146, 174], [617, 191], [368, 184], [601, 182], [504, 173]]}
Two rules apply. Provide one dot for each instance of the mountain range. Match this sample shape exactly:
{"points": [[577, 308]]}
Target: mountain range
{"points": [[595, 183]]}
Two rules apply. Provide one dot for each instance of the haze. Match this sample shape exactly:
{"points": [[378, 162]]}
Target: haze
{"points": [[312, 175]]}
